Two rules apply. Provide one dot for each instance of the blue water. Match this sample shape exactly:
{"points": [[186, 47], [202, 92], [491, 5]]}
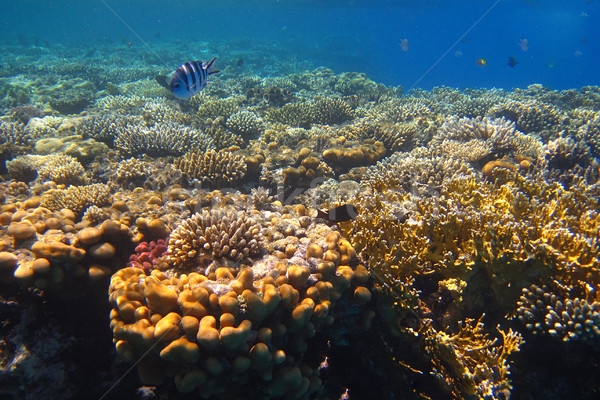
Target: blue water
{"points": [[360, 36]]}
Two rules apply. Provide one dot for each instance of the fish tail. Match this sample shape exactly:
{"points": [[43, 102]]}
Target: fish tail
{"points": [[209, 67]]}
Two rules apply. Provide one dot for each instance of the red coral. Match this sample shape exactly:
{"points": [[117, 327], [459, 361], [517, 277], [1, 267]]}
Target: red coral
{"points": [[146, 254]]}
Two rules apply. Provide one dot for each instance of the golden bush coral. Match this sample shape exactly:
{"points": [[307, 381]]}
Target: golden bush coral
{"points": [[470, 363]]}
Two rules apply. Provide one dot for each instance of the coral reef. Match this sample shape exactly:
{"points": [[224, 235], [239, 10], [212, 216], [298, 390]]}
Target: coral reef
{"points": [[77, 198], [237, 327], [476, 235]]}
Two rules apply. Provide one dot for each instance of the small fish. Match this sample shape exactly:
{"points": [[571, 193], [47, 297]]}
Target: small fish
{"points": [[578, 53], [404, 43], [482, 62], [189, 79], [346, 212], [239, 62], [583, 14], [458, 53], [524, 44], [512, 62], [129, 44]]}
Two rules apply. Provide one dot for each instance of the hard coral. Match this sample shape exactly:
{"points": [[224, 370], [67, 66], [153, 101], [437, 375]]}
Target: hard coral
{"points": [[59, 168], [213, 235], [161, 139], [236, 331], [212, 168], [544, 312], [77, 198], [245, 124]]}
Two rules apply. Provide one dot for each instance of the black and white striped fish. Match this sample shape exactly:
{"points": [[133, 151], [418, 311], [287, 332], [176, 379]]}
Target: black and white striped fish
{"points": [[189, 79]]}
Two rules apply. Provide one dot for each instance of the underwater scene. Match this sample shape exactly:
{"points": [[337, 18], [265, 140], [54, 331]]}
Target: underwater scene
{"points": [[299, 199]]}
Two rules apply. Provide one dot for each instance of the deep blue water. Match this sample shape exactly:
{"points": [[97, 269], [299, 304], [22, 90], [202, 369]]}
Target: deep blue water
{"points": [[361, 36]]}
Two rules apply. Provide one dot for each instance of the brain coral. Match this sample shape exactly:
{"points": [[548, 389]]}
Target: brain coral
{"points": [[241, 330]]}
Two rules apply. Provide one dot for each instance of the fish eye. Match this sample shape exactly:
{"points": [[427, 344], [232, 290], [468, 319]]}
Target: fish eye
{"points": [[176, 85]]}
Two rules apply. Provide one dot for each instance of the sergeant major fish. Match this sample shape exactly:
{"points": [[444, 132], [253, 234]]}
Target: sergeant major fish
{"points": [[189, 79]]}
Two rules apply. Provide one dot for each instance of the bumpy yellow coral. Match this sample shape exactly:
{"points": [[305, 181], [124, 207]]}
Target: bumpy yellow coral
{"points": [[230, 326]]}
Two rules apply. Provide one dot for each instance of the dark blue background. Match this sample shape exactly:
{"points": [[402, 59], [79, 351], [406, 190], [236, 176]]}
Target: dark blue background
{"points": [[354, 35]]}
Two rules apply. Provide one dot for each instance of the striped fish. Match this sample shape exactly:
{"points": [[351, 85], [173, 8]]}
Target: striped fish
{"points": [[189, 79]]}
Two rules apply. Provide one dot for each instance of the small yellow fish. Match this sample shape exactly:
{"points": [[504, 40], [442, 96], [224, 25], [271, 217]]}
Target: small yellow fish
{"points": [[482, 62]]}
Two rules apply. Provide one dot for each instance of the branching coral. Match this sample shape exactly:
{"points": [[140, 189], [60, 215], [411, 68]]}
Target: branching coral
{"points": [[469, 363], [160, 140], [478, 138], [568, 319], [59, 168], [240, 329], [212, 168], [77, 198], [213, 235], [245, 124]]}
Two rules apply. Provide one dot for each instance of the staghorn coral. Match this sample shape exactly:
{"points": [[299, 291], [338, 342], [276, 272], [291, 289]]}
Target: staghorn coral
{"points": [[77, 198], [59, 168], [161, 139], [569, 319], [212, 168]]}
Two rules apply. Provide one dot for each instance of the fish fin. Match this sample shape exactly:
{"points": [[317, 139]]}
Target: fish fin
{"points": [[322, 214], [209, 65], [162, 80]]}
